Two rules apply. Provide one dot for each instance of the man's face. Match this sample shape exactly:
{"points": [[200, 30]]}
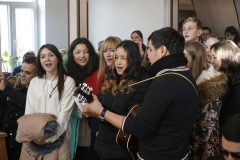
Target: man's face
{"points": [[190, 31], [205, 34], [28, 73], [230, 147], [153, 53]]}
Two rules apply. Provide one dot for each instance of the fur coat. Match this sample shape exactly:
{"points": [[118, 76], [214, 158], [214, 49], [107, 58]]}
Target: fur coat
{"points": [[205, 140], [41, 126]]}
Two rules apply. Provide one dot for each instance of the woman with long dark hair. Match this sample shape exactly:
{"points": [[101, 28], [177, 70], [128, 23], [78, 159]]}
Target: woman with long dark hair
{"points": [[82, 65], [232, 34], [50, 91], [225, 57], [126, 69]]}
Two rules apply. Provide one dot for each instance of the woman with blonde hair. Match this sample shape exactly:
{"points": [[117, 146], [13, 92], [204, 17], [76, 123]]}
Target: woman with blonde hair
{"points": [[212, 85], [107, 50], [225, 57]]}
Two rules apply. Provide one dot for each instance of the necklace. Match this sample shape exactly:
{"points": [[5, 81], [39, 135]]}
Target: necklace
{"points": [[50, 95]]}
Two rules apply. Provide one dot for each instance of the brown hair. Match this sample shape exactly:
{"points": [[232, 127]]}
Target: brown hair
{"points": [[229, 54], [193, 19], [199, 56], [109, 43], [218, 36]]}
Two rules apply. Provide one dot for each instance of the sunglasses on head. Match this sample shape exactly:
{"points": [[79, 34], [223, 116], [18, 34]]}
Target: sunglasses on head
{"points": [[235, 156]]}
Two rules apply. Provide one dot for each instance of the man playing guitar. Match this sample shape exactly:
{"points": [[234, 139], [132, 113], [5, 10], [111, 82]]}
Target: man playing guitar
{"points": [[169, 110]]}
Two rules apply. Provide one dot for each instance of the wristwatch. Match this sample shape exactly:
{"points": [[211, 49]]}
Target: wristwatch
{"points": [[101, 117]]}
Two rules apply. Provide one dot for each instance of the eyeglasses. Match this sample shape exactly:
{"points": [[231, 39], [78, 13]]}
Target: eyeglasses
{"points": [[235, 156]]}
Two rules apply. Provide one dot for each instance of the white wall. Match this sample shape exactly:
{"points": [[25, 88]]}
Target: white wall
{"points": [[53, 23], [121, 17], [41, 23]]}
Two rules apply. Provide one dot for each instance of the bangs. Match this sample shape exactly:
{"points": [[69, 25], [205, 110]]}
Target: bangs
{"points": [[108, 45]]}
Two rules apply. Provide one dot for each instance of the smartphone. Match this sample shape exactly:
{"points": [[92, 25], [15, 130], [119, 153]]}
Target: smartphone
{"points": [[138, 44]]}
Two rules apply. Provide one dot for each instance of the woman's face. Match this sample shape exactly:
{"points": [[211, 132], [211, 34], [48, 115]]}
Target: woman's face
{"points": [[136, 37], [230, 36], [81, 55], [215, 60], [189, 58], [49, 61], [108, 56], [208, 46], [120, 60]]}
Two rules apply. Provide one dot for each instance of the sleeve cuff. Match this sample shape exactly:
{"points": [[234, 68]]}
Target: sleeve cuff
{"points": [[123, 122]]}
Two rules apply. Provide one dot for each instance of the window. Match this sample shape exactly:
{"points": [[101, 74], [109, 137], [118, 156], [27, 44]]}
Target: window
{"points": [[18, 29]]}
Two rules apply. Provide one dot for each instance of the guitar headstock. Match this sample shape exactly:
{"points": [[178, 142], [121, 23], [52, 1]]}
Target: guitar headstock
{"points": [[83, 93]]}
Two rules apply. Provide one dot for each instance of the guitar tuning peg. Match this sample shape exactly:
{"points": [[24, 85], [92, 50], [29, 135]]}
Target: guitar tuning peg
{"points": [[84, 84], [86, 90], [90, 89], [80, 85]]}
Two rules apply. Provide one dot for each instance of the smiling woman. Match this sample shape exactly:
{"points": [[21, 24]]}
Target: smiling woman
{"points": [[82, 66]]}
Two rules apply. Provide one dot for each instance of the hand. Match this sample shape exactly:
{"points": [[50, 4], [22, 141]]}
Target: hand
{"points": [[93, 109], [42, 142], [3, 82]]}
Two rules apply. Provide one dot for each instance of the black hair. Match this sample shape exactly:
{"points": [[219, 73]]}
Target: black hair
{"points": [[233, 31], [131, 73], [207, 28], [61, 72], [133, 59], [169, 37], [77, 72], [229, 55], [30, 60], [138, 32], [28, 54], [231, 129]]}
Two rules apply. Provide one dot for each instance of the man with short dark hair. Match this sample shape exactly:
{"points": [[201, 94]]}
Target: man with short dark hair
{"points": [[206, 33], [170, 108], [230, 140], [17, 69], [15, 105]]}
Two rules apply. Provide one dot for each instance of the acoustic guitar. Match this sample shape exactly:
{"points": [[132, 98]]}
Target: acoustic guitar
{"points": [[127, 141]]}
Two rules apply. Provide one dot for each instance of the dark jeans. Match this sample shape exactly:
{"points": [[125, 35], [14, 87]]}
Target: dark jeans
{"points": [[81, 153]]}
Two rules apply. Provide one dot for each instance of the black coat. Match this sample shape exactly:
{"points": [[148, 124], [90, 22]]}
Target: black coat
{"points": [[231, 102], [105, 144], [15, 108]]}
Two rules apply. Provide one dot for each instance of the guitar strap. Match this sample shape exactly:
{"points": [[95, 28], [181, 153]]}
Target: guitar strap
{"points": [[174, 73]]}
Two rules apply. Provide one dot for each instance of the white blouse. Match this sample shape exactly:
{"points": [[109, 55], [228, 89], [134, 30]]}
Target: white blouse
{"points": [[39, 101]]}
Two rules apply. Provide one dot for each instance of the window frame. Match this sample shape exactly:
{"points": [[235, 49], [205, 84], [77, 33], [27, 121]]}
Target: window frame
{"points": [[12, 48]]}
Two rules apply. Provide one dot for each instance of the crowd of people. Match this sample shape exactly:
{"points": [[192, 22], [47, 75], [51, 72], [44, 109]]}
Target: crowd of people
{"points": [[186, 83]]}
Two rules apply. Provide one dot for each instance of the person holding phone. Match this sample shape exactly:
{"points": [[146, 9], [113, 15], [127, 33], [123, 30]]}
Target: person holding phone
{"points": [[137, 37]]}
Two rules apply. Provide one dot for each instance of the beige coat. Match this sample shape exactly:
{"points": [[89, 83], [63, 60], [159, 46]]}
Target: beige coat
{"points": [[31, 127]]}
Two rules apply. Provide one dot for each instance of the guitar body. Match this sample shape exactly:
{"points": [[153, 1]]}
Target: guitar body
{"points": [[126, 140]]}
